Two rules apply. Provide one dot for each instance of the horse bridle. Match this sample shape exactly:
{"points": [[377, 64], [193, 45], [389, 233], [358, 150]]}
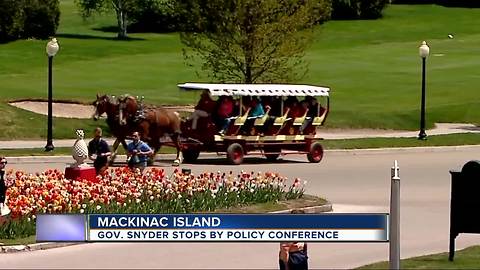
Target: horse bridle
{"points": [[104, 99]]}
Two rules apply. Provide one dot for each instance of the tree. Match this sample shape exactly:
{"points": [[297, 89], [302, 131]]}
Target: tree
{"points": [[153, 16], [250, 41], [11, 20], [28, 19], [358, 9], [41, 18], [121, 7]]}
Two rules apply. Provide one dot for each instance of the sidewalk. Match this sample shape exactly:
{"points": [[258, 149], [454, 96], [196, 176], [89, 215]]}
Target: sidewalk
{"points": [[328, 134], [41, 144], [440, 129]]}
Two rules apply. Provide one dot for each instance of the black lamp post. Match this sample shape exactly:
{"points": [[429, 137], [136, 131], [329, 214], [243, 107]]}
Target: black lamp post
{"points": [[424, 51], [52, 49]]}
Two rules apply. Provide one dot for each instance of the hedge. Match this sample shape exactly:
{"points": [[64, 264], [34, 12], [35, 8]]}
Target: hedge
{"points": [[28, 19]]}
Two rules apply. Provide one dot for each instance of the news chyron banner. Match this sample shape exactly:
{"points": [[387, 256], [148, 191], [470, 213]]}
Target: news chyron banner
{"points": [[214, 227]]}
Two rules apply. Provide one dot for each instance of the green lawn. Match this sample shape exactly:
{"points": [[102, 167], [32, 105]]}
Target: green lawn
{"points": [[373, 69], [464, 259], [21, 241]]}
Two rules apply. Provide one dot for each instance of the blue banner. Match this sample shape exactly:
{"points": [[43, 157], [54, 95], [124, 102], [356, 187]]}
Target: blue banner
{"points": [[238, 221]]}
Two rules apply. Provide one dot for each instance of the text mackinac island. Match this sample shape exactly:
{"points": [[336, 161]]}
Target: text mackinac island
{"points": [[132, 222]]}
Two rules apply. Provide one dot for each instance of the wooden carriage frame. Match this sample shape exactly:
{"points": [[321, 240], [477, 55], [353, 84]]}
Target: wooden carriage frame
{"points": [[236, 146]]}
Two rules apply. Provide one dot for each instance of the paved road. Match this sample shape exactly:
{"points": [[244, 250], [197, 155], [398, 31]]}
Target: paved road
{"points": [[353, 181], [329, 134]]}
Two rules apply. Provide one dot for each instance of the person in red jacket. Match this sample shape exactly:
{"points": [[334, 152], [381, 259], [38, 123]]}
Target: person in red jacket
{"points": [[224, 112], [294, 107], [205, 106]]}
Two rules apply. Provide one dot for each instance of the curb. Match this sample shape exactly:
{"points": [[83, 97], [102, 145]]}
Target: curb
{"points": [[309, 209], [420, 149], [34, 247], [49, 245]]}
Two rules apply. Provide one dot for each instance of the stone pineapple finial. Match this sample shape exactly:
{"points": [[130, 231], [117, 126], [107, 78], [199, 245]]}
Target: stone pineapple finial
{"points": [[80, 149]]}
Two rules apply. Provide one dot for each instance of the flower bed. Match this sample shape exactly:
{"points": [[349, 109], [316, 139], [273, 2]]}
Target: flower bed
{"points": [[123, 191]]}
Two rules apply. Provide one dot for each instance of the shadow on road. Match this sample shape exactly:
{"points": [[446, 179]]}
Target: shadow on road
{"points": [[470, 128]]}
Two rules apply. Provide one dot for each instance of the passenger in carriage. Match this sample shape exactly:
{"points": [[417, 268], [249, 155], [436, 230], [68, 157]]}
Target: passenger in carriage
{"points": [[304, 107], [276, 106], [256, 108], [313, 107], [256, 111], [272, 106], [204, 108], [224, 113], [236, 107], [312, 112], [293, 107], [266, 101]]}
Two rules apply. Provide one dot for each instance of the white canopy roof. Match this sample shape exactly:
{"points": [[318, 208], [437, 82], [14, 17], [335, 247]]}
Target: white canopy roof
{"points": [[257, 89]]}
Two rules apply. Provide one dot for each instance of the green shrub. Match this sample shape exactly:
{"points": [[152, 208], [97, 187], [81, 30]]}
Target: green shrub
{"points": [[41, 18], [345, 9], [412, 2], [358, 9], [459, 3], [372, 9], [447, 3], [11, 20], [153, 16], [28, 19], [324, 11]]}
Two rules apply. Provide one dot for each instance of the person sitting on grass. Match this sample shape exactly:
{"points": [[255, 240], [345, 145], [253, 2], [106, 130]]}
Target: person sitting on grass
{"points": [[138, 153]]}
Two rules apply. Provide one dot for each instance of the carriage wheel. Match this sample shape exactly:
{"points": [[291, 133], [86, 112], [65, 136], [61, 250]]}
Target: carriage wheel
{"points": [[235, 153], [315, 153], [190, 155]]}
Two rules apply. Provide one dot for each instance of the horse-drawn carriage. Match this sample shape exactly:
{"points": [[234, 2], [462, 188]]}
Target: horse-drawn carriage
{"points": [[284, 125], [278, 130]]}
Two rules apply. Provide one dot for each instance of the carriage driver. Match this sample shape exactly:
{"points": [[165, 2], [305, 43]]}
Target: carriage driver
{"points": [[206, 105]]}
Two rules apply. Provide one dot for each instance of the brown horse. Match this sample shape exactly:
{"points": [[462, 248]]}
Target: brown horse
{"points": [[110, 106], [153, 122]]}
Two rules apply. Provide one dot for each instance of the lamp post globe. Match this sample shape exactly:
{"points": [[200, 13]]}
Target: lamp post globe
{"points": [[423, 51], [51, 49]]}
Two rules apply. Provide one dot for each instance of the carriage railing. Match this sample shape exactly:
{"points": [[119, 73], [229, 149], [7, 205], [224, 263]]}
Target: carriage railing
{"points": [[260, 121], [279, 121], [319, 120], [299, 120], [239, 122]]}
